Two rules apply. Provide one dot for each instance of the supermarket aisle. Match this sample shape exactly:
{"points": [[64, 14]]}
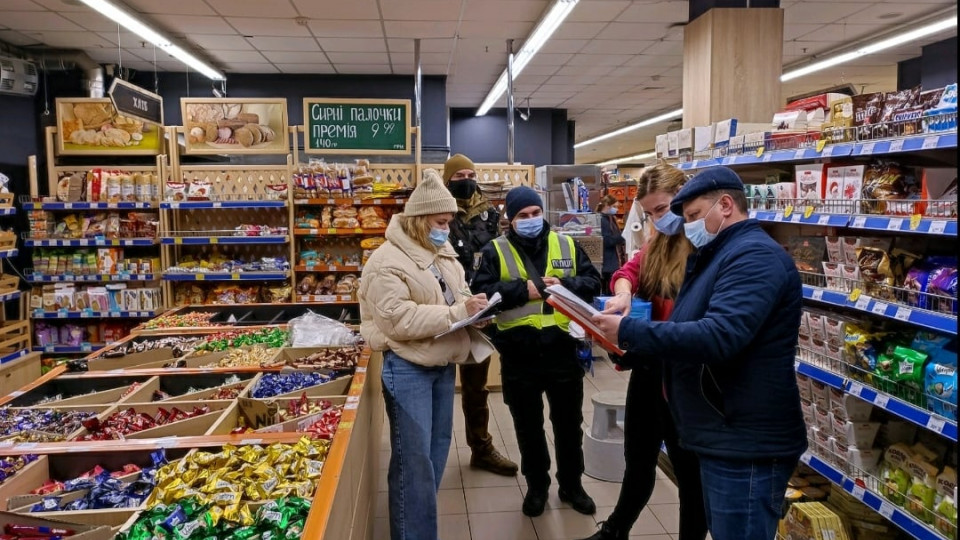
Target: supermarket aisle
{"points": [[478, 505]]}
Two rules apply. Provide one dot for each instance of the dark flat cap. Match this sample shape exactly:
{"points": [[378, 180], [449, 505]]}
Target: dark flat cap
{"points": [[712, 179]]}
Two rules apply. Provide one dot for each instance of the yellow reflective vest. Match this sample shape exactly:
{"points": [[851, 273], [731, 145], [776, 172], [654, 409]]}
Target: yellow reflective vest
{"points": [[561, 262]]}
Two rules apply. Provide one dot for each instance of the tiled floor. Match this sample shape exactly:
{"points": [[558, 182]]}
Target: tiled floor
{"points": [[478, 505]]}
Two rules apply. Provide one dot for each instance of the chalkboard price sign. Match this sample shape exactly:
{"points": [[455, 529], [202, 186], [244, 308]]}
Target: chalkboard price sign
{"points": [[356, 126]]}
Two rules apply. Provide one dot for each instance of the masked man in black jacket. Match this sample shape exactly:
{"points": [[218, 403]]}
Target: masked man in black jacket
{"points": [[477, 223], [537, 354]]}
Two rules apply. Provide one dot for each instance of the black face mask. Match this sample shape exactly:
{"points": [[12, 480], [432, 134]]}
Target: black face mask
{"points": [[462, 189]]}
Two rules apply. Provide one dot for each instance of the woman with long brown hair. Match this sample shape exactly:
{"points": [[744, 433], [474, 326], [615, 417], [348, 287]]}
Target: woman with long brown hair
{"points": [[655, 273]]}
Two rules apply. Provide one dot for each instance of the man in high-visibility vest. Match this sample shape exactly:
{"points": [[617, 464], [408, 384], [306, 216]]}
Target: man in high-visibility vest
{"points": [[537, 354]]}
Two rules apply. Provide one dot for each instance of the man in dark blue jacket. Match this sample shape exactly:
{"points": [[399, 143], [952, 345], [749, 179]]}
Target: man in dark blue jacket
{"points": [[728, 353]]}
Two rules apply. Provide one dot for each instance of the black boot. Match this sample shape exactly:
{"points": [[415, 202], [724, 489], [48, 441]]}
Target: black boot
{"points": [[579, 500], [609, 532], [535, 501]]}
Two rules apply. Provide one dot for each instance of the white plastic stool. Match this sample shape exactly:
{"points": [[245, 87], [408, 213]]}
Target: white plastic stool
{"points": [[603, 445]]}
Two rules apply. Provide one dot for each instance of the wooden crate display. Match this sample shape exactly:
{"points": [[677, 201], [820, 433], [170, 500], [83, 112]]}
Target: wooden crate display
{"points": [[14, 336]]}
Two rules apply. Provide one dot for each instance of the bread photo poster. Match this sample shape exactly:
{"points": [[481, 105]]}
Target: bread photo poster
{"points": [[235, 126], [87, 126]]}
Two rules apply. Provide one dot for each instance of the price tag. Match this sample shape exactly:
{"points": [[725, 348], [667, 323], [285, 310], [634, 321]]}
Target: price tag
{"points": [[805, 458], [859, 222], [938, 227], [788, 211], [174, 205], [753, 214], [896, 145], [86, 347], [930, 142], [760, 151], [235, 276], [377, 202], [820, 144], [214, 240], [727, 161], [855, 389], [867, 148], [795, 218], [903, 313], [350, 406], [823, 220], [828, 151], [914, 221], [881, 400], [778, 217], [879, 308], [858, 492], [358, 231], [67, 206], [936, 424], [895, 224], [27, 446], [767, 158], [862, 303], [49, 348], [216, 205], [807, 212], [799, 154], [361, 369], [817, 295], [199, 277], [886, 509], [331, 231], [177, 241], [250, 441]]}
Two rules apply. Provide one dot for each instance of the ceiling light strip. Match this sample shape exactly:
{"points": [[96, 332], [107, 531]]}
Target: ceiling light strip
{"points": [[893, 41], [632, 127], [544, 29], [638, 157], [142, 30]]}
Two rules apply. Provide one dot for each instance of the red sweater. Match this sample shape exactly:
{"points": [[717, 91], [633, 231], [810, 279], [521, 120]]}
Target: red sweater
{"points": [[661, 307]]}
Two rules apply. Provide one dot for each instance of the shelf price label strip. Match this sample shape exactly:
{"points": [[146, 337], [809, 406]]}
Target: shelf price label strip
{"points": [[9, 449], [210, 205], [894, 514], [922, 225], [211, 240], [941, 322]]}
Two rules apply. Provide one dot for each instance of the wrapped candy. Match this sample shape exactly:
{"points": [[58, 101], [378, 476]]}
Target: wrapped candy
{"points": [[273, 384]]}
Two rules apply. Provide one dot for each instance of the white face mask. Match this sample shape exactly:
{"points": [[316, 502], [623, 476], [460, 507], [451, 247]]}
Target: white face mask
{"points": [[697, 232]]}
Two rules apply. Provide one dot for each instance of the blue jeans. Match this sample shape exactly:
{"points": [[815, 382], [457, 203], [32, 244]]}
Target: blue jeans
{"points": [[743, 499], [420, 411]]}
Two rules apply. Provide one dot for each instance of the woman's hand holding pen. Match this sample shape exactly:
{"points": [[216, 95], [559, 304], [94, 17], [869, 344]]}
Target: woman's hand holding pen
{"points": [[475, 303]]}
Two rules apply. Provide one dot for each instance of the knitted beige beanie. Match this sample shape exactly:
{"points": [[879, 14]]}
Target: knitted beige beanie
{"points": [[430, 197]]}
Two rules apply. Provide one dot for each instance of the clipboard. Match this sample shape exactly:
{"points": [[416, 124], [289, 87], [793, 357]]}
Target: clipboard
{"points": [[567, 309]]}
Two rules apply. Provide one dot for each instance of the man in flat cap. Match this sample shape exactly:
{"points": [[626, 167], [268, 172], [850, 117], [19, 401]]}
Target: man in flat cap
{"points": [[728, 352], [477, 223]]}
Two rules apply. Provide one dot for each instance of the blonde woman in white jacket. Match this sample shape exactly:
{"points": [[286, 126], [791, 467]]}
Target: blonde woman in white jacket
{"points": [[412, 288]]}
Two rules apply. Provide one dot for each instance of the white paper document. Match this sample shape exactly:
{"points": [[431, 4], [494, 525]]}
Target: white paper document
{"points": [[486, 314]]}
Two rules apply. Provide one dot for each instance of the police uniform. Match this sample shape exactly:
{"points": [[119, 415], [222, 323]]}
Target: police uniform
{"points": [[537, 354]]}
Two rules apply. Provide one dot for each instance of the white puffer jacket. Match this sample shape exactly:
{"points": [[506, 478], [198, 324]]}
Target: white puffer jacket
{"points": [[402, 306]]}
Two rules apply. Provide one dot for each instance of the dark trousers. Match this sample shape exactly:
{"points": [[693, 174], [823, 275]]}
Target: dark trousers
{"points": [[476, 413], [523, 388], [647, 423]]}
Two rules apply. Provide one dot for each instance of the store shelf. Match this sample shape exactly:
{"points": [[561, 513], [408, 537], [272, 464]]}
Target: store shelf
{"points": [[88, 205], [355, 201], [940, 322], [90, 314], [342, 232], [327, 298], [903, 224], [8, 211], [212, 205], [925, 141], [13, 356], [33, 277], [226, 240], [10, 296], [327, 268], [226, 276], [909, 412], [896, 515], [7, 253], [64, 349], [91, 242]]}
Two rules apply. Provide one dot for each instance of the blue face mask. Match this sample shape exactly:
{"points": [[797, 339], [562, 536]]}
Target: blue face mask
{"points": [[669, 224], [438, 237], [697, 233], [611, 211], [530, 227]]}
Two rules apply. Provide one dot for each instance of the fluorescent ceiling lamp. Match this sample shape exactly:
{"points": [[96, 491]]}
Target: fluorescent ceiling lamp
{"points": [[545, 28], [641, 124], [131, 23], [893, 41], [638, 157]]}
